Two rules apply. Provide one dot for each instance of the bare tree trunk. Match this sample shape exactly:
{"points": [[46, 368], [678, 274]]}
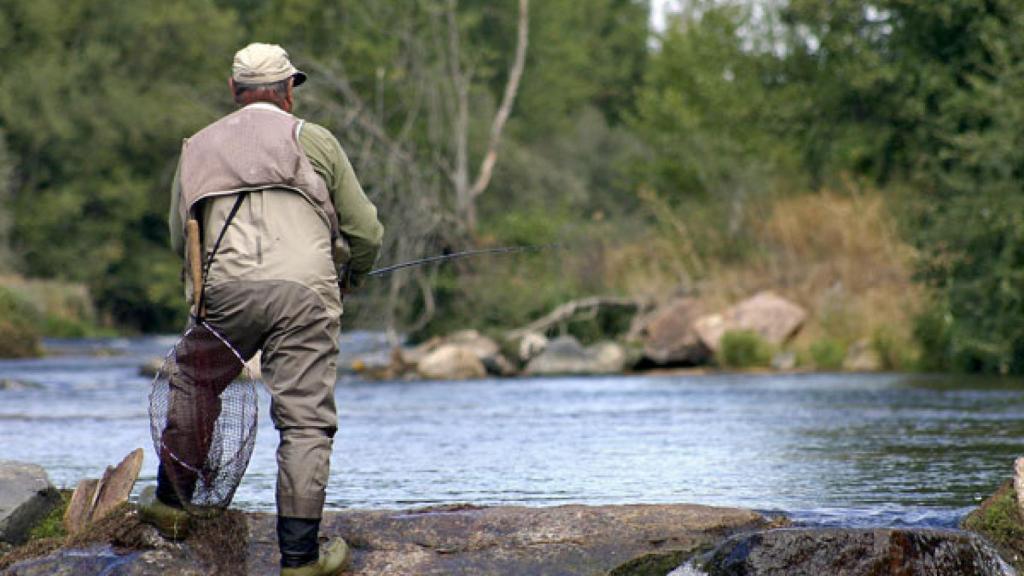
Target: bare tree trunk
{"points": [[465, 194]]}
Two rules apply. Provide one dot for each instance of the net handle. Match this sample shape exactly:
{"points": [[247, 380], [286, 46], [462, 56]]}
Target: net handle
{"points": [[195, 261]]}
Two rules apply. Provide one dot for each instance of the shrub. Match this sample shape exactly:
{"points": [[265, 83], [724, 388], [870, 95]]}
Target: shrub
{"points": [[19, 327], [744, 349], [828, 354], [894, 351]]}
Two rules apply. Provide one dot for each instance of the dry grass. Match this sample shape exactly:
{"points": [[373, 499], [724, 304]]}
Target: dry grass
{"points": [[838, 255]]}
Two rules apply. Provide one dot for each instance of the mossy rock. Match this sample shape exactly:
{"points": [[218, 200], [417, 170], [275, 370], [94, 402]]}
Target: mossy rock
{"points": [[999, 520]]}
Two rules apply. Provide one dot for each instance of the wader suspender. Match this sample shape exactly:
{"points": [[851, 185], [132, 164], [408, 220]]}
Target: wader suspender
{"points": [[201, 307]]}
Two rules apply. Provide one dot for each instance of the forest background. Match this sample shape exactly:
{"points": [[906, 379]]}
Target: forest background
{"points": [[864, 159]]}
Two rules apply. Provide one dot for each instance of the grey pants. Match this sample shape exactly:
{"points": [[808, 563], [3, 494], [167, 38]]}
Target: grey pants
{"points": [[299, 340]]}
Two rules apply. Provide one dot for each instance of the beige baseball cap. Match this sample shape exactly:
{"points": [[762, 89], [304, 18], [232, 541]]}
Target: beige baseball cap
{"points": [[260, 63]]}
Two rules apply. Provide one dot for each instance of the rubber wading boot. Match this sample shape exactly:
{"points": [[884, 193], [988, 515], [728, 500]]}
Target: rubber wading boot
{"points": [[172, 523], [334, 558]]}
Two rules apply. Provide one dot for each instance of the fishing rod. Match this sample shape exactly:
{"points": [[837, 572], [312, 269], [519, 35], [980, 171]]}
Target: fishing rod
{"points": [[457, 255]]}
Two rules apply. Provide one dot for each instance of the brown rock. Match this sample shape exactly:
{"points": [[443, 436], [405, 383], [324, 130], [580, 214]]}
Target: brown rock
{"points": [[80, 507], [94, 499], [767, 314], [669, 337], [453, 541], [566, 540], [451, 362]]}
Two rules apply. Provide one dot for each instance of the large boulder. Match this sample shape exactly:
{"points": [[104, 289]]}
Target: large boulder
{"points": [[26, 497], [531, 344], [565, 355], [451, 362], [450, 541], [669, 337], [767, 314], [854, 552], [470, 342]]}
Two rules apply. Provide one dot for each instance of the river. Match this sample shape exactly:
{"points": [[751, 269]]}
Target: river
{"points": [[825, 449]]}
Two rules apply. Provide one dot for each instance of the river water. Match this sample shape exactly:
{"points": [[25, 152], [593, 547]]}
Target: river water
{"points": [[825, 449]]}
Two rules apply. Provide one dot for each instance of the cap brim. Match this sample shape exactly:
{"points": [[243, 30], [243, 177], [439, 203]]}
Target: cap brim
{"points": [[299, 78]]}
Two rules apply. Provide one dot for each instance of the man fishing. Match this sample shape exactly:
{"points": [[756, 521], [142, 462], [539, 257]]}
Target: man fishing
{"points": [[281, 218]]}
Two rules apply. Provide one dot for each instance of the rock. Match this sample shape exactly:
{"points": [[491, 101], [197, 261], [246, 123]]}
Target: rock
{"points": [[862, 357], [93, 500], [784, 360], [150, 368], [668, 335], [457, 541], [451, 362], [106, 559], [26, 497], [498, 365], [999, 519], [483, 348], [412, 356], [855, 552], [480, 345], [8, 384], [565, 355], [531, 345], [770, 316]]}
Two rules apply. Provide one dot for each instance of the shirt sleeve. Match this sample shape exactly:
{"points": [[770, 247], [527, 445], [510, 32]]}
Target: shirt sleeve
{"points": [[357, 216]]}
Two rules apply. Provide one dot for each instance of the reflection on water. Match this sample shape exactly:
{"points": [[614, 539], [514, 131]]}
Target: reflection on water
{"points": [[826, 449]]}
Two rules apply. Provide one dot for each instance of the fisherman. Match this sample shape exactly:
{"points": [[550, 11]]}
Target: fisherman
{"points": [[294, 220]]}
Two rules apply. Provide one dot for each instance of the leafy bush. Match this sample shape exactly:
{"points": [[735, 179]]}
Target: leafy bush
{"points": [[744, 349], [827, 354], [894, 350], [19, 327]]}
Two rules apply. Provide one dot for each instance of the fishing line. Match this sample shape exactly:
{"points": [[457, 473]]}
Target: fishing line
{"points": [[457, 255]]}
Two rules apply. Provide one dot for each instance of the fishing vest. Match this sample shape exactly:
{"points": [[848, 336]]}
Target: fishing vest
{"points": [[252, 149]]}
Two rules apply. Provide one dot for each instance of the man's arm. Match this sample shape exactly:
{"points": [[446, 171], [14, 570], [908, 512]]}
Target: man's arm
{"points": [[174, 223], [357, 216]]}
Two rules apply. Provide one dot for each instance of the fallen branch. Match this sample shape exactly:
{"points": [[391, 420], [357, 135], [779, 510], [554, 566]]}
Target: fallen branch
{"points": [[565, 312]]}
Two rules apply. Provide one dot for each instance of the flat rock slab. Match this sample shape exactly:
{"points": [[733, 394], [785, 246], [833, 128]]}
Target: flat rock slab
{"points": [[514, 541], [26, 496], [565, 540], [854, 552]]}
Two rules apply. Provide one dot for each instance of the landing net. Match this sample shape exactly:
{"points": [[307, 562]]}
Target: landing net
{"points": [[202, 415]]}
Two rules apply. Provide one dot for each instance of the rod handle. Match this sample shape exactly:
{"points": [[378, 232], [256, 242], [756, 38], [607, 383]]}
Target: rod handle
{"points": [[195, 260]]}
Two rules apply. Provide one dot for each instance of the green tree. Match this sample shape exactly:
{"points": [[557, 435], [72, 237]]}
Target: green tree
{"points": [[95, 100]]}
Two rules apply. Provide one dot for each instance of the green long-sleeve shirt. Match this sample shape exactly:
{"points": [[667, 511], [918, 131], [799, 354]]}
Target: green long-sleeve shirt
{"points": [[357, 216]]}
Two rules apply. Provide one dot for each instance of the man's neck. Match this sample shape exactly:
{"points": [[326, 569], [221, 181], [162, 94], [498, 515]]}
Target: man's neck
{"points": [[265, 106]]}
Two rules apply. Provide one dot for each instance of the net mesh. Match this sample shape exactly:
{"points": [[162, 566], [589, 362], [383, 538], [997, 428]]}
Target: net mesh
{"points": [[203, 412]]}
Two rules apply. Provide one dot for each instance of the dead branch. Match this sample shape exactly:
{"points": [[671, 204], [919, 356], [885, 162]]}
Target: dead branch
{"points": [[565, 312]]}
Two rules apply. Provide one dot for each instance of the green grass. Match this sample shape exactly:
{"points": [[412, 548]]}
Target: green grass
{"points": [[53, 525], [827, 354], [998, 519], [744, 349]]}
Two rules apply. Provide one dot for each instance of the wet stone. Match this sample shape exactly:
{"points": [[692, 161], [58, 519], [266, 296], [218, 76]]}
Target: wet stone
{"points": [[26, 497], [854, 552]]}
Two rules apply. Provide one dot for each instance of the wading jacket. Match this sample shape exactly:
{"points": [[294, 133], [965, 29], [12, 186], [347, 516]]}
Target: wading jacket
{"points": [[300, 192]]}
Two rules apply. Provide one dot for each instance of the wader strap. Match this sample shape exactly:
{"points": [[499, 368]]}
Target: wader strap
{"points": [[200, 307]]}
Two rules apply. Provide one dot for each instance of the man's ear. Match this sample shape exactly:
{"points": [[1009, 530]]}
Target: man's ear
{"points": [[231, 85]]}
